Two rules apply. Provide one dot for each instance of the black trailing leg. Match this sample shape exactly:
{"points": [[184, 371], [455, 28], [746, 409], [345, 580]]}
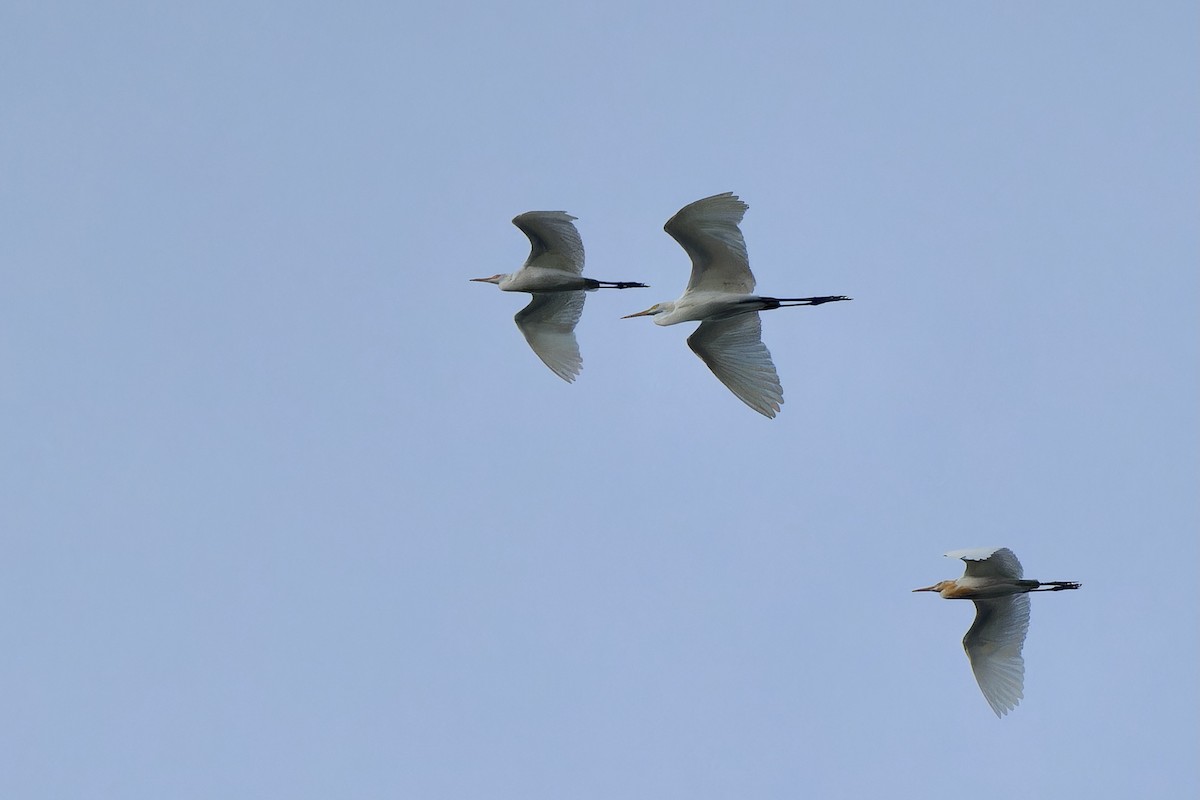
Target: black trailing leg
{"points": [[784, 302], [1056, 586]]}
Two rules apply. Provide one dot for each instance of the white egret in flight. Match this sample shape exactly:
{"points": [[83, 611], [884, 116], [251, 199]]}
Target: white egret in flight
{"points": [[719, 297], [553, 274], [993, 644]]}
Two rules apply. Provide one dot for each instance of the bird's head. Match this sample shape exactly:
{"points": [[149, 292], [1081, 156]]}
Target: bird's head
{"points": [[940, 587], [657, 308], [499, 276]]}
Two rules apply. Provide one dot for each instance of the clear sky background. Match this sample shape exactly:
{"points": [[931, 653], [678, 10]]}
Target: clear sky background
{"points": [[289, 509]]}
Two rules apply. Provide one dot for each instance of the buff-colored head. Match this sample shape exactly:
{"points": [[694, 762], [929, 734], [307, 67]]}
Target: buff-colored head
{"points": [[944, 588]]}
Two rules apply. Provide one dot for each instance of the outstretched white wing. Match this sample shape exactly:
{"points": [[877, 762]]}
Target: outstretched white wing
{"points": [[734, 351], [708, 230], [993, 646], [548, 323], [555, 243], [989, 562]]}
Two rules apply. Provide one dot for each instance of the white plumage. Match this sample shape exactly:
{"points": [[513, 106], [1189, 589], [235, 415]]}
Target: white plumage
{"points": [[553, 274], [719, 297]]}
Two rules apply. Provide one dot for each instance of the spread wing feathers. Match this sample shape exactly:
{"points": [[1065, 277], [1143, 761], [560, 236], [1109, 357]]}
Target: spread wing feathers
{"points": [[993, 646], [989, 562], [708, 230], [548, 323], [734, 351], [554, 239]]}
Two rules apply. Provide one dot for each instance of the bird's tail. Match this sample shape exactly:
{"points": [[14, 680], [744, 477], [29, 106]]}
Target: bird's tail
{"points": [[784, 302]]}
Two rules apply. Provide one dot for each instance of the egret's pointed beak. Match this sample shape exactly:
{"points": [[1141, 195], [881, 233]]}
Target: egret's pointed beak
{"points": [[933, 588], [480, 280], [499, 276], [645, 313]]}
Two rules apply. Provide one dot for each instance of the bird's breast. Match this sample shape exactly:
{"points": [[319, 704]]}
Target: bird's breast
{"points": [[986, 588], [716, 306], [543, 280]]}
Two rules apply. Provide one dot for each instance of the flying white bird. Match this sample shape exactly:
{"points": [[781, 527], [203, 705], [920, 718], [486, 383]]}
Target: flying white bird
{"points": [[719, 297], [553, 274], [993, 644]]}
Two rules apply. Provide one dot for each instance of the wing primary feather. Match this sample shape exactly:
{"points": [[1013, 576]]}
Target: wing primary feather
{"points": [[733, 349], [548, 325], [989, 562], [993, 645], [708, 231], [554, 240]]}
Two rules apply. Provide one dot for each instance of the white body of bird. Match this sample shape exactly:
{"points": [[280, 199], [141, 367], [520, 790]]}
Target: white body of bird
{"points": [[995, 581], [553, 274], [720, 297]]}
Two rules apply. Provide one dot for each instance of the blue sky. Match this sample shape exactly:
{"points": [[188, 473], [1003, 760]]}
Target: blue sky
{"points": [[290, 509]]}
